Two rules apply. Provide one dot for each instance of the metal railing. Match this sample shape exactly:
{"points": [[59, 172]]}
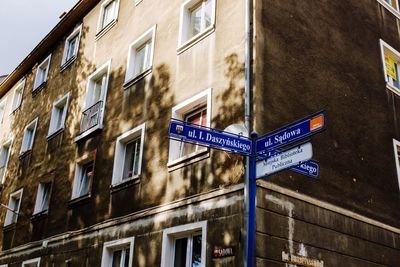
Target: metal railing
{"points": [[91, 117]]}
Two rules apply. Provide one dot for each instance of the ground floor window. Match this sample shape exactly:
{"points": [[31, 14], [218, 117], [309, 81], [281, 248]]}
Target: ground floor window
{"points": [[118, 253]]}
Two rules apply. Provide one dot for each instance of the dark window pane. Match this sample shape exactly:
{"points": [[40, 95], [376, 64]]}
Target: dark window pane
{"points": [[180, 252], [116, 260], [196, 252]]}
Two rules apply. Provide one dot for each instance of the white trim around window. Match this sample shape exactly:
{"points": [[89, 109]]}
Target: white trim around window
{"points": [[389, 53], [58, 114], [42, 72], [29, 136], [31, 262], [392, 6], [3, 106], [179, 112], [13, 207], [5, 153], [128, 160], [122, 248], [396, 149], [71, 47], [108, 15], [17, 96], [140, 55], [189, 34], [170, 236]]}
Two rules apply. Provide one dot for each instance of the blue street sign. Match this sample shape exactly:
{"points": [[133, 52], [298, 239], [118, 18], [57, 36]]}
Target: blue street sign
{"points": [[291, 133], [196, 134], [308, 168]]}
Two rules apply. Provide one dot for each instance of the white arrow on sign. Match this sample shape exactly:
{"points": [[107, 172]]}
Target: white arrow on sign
{"points": [[284, 160]]}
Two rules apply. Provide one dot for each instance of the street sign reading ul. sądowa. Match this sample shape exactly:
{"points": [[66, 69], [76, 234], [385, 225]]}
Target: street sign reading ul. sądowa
{"points": [[290, 133], [192, 133]]}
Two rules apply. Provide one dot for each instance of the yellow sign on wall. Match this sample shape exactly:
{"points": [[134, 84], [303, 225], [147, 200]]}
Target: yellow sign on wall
{"points": [[390, 67]]}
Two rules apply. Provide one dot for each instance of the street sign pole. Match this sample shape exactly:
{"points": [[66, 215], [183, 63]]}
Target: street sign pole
{"points": [[251, 231]]}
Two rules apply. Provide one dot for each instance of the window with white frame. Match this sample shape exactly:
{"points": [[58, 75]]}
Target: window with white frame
{"points": [[31, 263], [197, 17], [83, 179], [71, 46], [391, 61], [185, 245], [396, 147], [13, 207], [196, 110], [5, 152], [391, 4], [2, 109], [17, 96], [140, 54], [108, 13], [42, 72], [118, 253], [42, 198], [58, 114], [95, 97], [128, 155], [29, 136]]}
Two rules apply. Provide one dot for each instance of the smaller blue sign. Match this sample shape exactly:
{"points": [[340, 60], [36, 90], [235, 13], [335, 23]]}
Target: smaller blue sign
{"points": [[291, 133], [309, 168], [192, 133]]}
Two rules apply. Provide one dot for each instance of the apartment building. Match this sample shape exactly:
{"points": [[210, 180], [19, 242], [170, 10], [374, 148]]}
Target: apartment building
{"points": [[90, 176]]}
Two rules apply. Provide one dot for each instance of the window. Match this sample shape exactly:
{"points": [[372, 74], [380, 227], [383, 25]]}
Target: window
{"points": [[58, 114], [140, 55], [128, 155], [195, 110], [5, 151], [391, 60], [41, 73], [17, 97], [31, 263], [391, 5], [71, 46], [108, 13], [83, 179], [96, 92], [2, 109], [197, 18], [29, 136], [184, 246], [13, 208], [42, 198], [396, 146], [118, 253]]}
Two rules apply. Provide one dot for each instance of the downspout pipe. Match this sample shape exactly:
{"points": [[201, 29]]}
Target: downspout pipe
{"points": [[249, 231]]}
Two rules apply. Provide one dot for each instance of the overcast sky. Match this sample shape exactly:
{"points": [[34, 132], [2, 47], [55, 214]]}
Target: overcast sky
{"points": [[23, 24]]}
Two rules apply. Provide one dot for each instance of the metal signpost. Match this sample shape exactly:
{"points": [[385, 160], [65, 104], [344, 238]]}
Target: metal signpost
{"points": [[267, 149]]}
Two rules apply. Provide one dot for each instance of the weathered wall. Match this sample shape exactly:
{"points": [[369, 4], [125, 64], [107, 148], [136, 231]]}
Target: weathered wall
{"points": [[308, 227], [314, 55]]}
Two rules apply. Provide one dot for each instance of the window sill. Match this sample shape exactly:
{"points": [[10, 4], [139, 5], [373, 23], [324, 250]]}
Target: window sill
{"points": [[39, 88], [67, 63], [394, 89], [137, 78], [39, 215], [188, 159], [390, 8], [9, 227], [195, 39], [104, 30], [87, 133], [124, 184], [79, 200], [54, 134]]}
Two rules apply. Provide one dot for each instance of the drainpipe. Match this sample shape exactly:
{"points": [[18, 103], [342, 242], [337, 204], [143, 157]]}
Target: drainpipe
{"points": [[249, 230]]}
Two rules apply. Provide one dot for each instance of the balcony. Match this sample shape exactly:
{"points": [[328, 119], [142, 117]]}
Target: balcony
{"points": [[92, 119]]}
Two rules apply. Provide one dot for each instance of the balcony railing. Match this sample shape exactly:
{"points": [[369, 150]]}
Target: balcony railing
{"points": [[91, 117]]}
